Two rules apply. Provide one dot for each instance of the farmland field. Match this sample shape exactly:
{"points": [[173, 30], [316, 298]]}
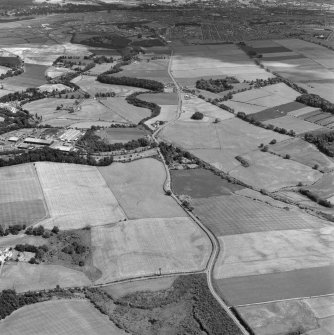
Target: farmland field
{"points": [[120, 135], [275, 251], [229, 215], [59, 317], [167, 113], [160, 98], [77, 196], [270, 172], [198, 183], [304, 153], [276, 286], [138, 187], [138, 248], [325, 186], [21, 197], [27, 277], [215, 60]]}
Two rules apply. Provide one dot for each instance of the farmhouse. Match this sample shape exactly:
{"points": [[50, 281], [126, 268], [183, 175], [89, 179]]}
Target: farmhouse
{"points": [[32, 140]]}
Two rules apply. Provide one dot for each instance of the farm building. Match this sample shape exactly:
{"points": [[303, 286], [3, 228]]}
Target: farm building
{"points": [[32, 140], [13, 139]]}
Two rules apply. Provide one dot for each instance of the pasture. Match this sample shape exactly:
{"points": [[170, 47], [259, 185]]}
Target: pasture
{"points": [[304, 153], [21, 197], [145, 247], [215, 60], [138, 187], [59, 317], [292, 123], [200, 183], [270, 172], [229, 215], [238, 291], [77, 196], [275, 251], [120, 135], [27, 277]]}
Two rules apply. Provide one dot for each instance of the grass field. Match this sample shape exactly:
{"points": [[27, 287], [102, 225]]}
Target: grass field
{"points": [[77, 196], [54, 72], [121, 289], [59, 317], [281, 317], [21, 197], [167, 113], [229, 215], [27, 277], [270, 172], [124, 110], [325, 186], [276, 286], [214, 60], [90, 85], [160, 98], [275, 251], [200, 183], [138, 248], [304, 153], [120, 135], [138, 187]]}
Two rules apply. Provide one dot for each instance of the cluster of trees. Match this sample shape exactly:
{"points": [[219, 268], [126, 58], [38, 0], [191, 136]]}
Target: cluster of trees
{"points": [[12, 73], [148, 84], [37, 231], [105, 95], [101, 59], [265, 82], [75, 247], [173, 154], [93, 143], [28, 95], [12, 229], [315, 100], [324, 142], [14, 121], [314, 197], [255, 122], [197, 116], [38, 251], [52, 155], [216, 85]]}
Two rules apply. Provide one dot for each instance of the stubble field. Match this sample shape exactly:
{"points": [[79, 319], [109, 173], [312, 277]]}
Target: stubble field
{"points": [[138, 248]]}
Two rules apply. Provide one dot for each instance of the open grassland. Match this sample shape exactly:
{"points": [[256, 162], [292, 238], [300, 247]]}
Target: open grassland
{"points": [[238, 291], [77, 196], [152, 285], [304, 153], [124, 110], [120, 135], [280, 317], [160, 98], [27, 277], [270, 172], [210, 111], [218, 143], [59, 317], [90, 85], [142, 247], [21, 197], [275, 251], [215, 60], [229, 215], [200, 183], [33, 76], [138, 187], [324, 187]]}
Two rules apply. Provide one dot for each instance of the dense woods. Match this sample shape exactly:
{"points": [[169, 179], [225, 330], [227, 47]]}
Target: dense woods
{"points": [[216, 85], [315, 100], [148, 84]]}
